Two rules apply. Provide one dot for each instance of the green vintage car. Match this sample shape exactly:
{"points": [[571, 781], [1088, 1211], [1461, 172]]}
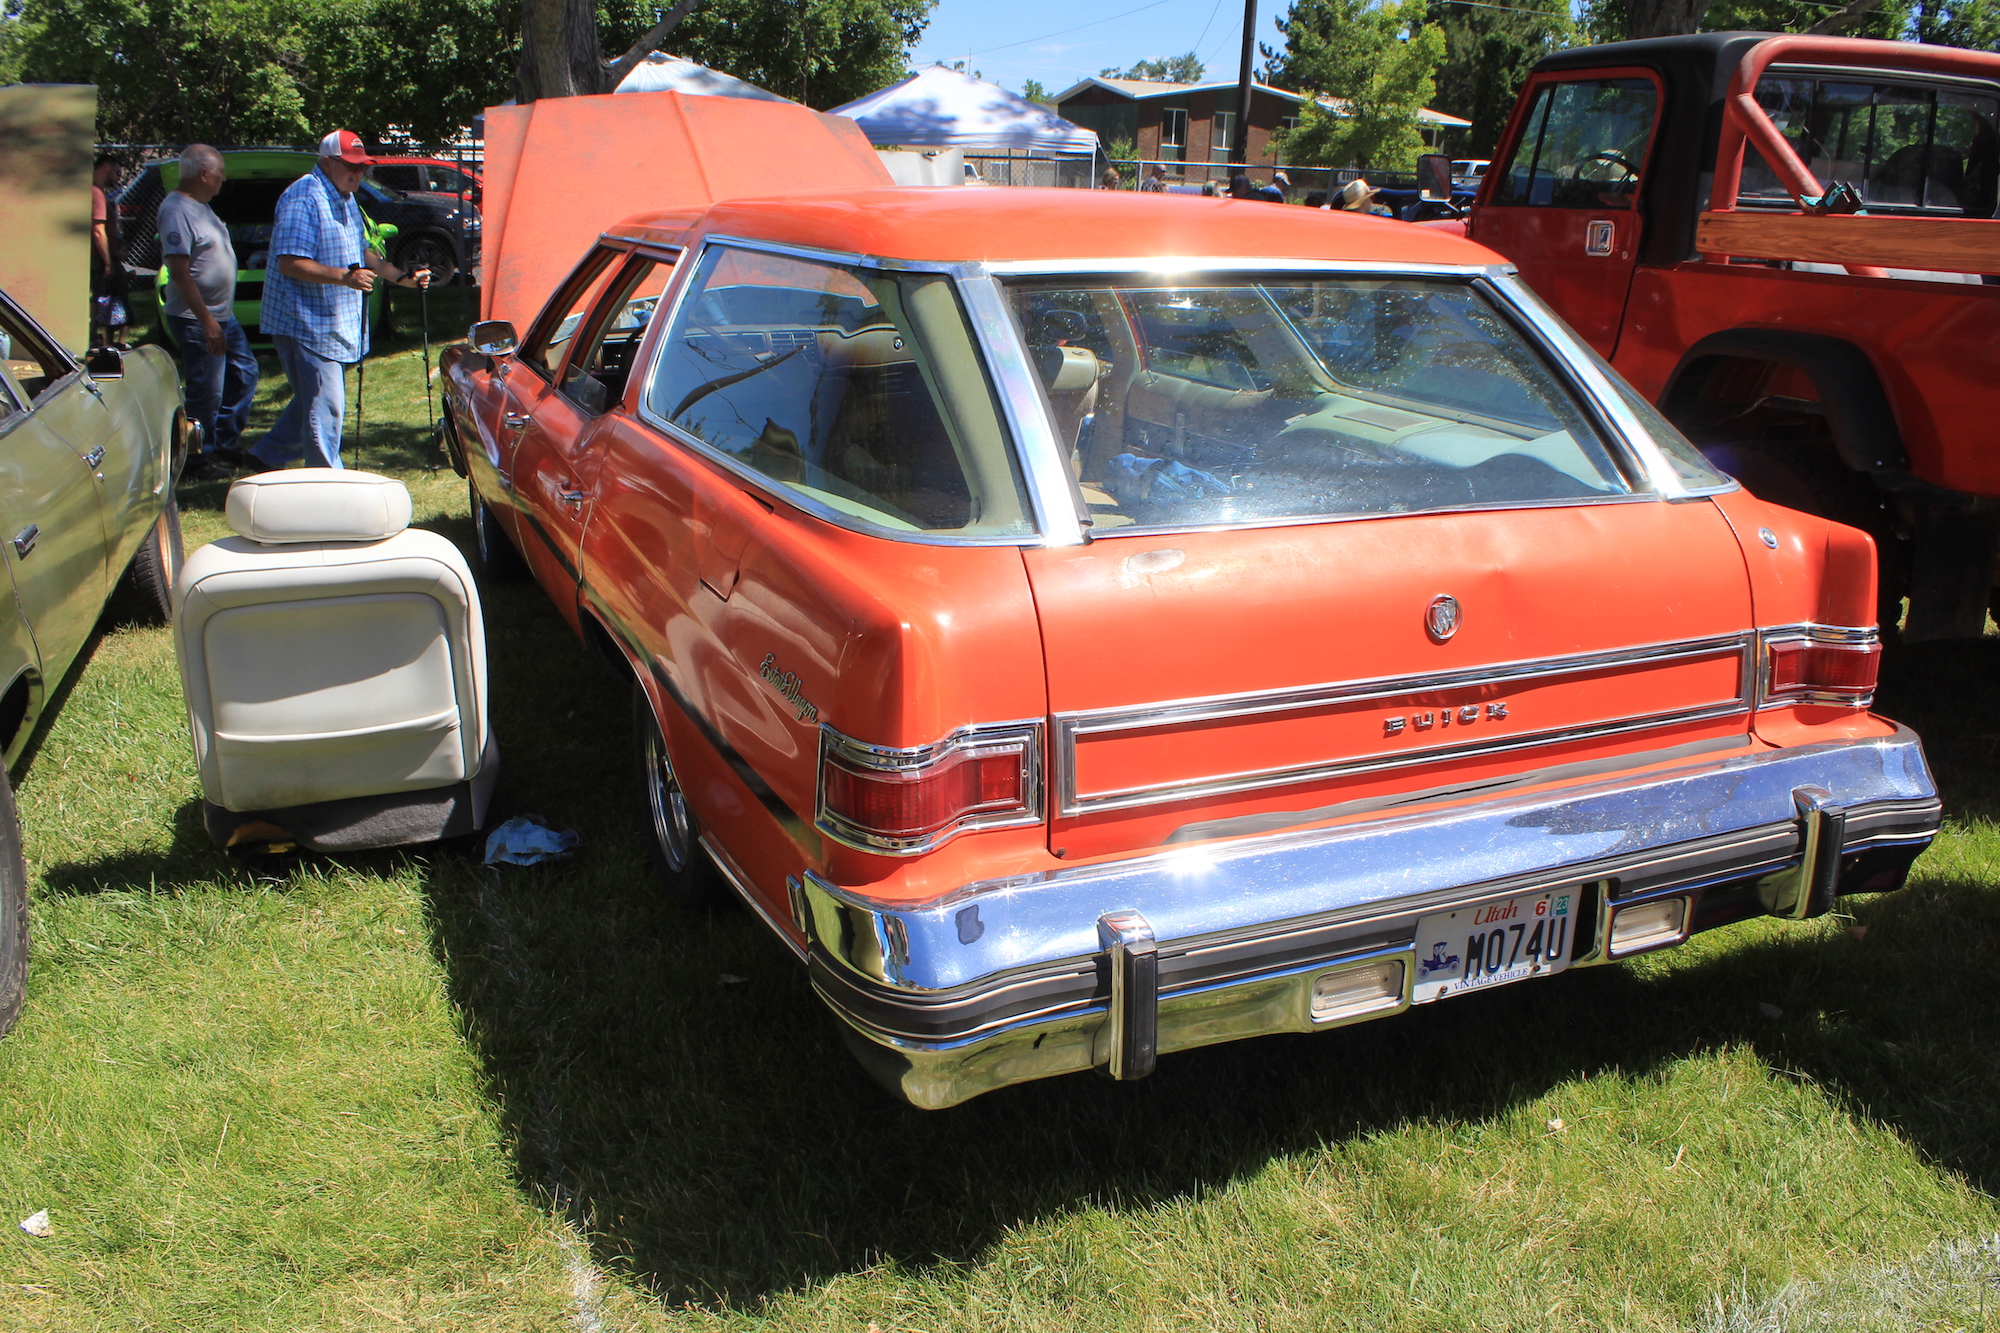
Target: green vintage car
{"points": [[88, 458]]}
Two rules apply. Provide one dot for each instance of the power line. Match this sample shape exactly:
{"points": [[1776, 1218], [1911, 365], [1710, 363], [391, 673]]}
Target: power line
{"points": [[1066, 31]]}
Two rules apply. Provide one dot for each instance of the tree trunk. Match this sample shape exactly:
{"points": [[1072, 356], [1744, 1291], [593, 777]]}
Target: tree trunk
{"points": [[1663, 18], [559, 52]]}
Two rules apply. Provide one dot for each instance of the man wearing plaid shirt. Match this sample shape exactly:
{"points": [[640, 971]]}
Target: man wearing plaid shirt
{"points": [[316, 300]]}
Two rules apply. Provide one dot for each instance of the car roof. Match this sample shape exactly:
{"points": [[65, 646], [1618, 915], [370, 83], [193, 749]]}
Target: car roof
{"points": [[954, 224]]}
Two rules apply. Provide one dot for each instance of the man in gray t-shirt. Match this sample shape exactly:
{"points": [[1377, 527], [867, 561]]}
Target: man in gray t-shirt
{"points": [[216, 360]]}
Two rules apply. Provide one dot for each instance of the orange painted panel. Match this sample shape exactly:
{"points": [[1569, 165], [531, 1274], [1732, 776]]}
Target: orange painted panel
{"points": [[561, 171]]}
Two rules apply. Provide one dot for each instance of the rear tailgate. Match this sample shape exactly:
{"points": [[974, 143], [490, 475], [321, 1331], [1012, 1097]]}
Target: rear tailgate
{"points": [[1205, 683]]}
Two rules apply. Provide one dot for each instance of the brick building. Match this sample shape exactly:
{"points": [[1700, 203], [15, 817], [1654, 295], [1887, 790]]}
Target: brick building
{"points": [[1194, 122]]}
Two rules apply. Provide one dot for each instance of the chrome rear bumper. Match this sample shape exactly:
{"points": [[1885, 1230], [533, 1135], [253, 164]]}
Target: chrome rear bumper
{"points": [[1107, 965]]}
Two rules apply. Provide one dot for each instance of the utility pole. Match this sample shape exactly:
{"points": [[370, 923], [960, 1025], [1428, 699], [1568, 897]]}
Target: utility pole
{"points": [[1239, 142]]}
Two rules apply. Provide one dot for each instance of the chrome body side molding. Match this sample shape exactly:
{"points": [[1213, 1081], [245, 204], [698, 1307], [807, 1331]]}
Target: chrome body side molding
{"points": [[1070, 728]]}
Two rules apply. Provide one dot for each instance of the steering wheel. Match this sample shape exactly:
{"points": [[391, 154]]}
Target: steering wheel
{"points": [[1615, 159]]}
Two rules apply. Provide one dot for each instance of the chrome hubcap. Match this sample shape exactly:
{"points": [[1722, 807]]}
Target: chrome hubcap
{"points": [[671, 826]]}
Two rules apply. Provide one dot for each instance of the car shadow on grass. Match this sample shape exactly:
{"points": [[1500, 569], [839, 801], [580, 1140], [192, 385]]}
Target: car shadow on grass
{"points": [[673, 1085]]}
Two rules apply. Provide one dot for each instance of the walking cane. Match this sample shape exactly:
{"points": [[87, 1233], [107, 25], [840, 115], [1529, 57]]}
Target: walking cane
{"points": [[360, 388], [430, 413]]}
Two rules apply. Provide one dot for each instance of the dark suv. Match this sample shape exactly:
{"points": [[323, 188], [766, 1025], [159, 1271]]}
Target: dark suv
{"points": [[432, 231]]}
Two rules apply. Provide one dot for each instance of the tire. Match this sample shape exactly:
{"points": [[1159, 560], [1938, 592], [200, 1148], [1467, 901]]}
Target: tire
{"points": [[157, 564], [494, 558], [431, 251], [672, 832], [13, 910]]}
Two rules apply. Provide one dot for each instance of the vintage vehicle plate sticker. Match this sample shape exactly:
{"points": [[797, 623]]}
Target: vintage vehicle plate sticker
{"points": [[1493, 944]]}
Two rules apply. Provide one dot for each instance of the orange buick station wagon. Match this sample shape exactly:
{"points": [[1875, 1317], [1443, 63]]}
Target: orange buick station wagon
{"points": [[1086, 626]]}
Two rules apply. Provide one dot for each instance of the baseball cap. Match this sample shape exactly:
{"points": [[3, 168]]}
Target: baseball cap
{"points": [[345, 145]]}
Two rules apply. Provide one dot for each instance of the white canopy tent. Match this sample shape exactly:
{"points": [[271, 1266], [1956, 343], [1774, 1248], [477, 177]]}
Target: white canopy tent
{"points": [[662, 73], [942, 108]]}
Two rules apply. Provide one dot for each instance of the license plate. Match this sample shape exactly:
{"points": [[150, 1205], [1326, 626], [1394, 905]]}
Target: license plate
{"points": [[1494, 943]]}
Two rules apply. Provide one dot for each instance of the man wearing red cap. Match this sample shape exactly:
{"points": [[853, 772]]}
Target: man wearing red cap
{"points": [[316, 299]]}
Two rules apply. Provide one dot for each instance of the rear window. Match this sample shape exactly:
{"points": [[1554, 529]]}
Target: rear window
{"points": [[1286, 399], [1906, 148], [861, 392]]}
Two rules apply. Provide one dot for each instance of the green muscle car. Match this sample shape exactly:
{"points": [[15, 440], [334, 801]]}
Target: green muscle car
{"points": [[88, 458]]}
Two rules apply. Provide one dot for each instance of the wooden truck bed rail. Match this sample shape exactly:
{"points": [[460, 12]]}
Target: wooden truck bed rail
{"points": [[1866, 245]]}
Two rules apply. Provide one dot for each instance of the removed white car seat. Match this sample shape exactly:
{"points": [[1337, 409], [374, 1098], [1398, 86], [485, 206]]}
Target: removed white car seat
{"points": [[334, 663]]}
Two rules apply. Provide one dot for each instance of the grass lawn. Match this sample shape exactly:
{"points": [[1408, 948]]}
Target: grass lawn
{"points": [[403, 1091]]}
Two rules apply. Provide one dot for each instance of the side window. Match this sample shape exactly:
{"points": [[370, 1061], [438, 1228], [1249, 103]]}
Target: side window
{"points": [[554, 328], [595, 377], [34, 362], [1905, 147], [1583, 145], [10, 402], [399, 176], [860, 391]]}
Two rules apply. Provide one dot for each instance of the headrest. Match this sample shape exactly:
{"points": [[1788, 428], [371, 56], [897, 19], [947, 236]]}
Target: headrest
{"points": [[1065, 369], [317, 504]]}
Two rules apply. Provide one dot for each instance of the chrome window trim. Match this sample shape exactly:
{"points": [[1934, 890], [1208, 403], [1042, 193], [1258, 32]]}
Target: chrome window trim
{"points": [[1037, 449], [1588, 372], [1811, 632], [1170, 267], [777, 490], [1026, 734], [1071, 726]]}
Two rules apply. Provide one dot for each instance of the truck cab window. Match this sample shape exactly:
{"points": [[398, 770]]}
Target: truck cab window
{"points": [[1584, 145], [1907, 148]]}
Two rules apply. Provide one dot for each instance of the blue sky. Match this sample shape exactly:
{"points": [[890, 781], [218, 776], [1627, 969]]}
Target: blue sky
{"points": [[1061, 41]]}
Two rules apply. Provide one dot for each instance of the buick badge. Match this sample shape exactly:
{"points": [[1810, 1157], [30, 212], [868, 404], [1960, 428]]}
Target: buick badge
{"points": [[1442, 617]]}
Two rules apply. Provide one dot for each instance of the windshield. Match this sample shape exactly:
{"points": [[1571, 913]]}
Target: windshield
{"points": [[1252, 401]]}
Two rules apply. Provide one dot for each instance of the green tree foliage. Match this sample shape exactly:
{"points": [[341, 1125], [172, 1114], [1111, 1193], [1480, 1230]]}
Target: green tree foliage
{"points": [[820, 52], [1377, 59], [1488, 53], [1174, 69], [1033, 91], [271, 71], [1969, 23]]}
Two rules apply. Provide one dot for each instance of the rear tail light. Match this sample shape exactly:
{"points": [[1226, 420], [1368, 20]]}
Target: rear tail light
{"points": [[1820, 664], [904, 801]]}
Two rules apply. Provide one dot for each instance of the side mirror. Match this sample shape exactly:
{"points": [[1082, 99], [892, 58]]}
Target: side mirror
{"points": [[104, 363], [494, 337], [1434, 177]]}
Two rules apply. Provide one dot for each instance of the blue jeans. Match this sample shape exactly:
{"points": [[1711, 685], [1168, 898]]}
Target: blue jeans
{"points": [[219, 388], [309, 427]]}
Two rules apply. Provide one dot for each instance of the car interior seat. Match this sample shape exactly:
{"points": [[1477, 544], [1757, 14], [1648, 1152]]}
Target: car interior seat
{"points": [[334, 663]]}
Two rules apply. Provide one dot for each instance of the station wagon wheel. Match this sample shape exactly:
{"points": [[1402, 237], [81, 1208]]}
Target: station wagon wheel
{"points": [[494, 558], [151, 575], [13, 910], [674, 832]]}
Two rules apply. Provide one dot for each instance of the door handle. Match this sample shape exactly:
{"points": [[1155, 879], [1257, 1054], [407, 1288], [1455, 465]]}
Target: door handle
{"points": [[570, 498], [24, 542], [93, 458], [517, 419], [1599, 237]]}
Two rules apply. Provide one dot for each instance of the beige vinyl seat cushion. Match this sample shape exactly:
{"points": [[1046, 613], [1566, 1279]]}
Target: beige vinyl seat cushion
{"points": [[327, 651]]}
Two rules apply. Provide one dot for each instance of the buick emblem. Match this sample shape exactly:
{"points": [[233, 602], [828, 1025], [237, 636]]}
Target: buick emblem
{"points": [[1442, 617]]}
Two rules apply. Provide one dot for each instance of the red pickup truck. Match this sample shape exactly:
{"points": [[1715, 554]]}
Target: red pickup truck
{"points": [[1780, 242]]}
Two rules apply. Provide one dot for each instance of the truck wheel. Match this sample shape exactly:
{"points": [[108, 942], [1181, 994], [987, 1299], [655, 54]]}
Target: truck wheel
{"points": [[1810, 480], [150, 577], [494, 558], [673, 832], [13, 910]]}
